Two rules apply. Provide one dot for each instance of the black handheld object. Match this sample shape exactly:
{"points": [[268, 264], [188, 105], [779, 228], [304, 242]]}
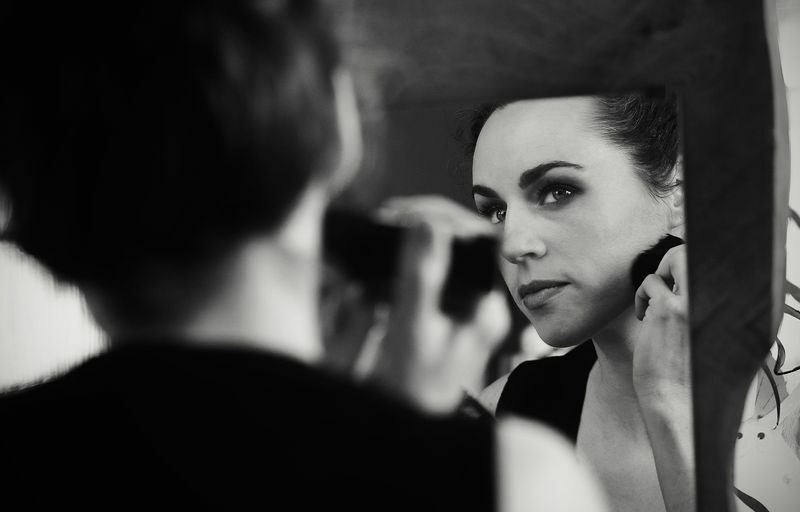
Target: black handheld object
{"points": [[647, 262], [369, 252]]}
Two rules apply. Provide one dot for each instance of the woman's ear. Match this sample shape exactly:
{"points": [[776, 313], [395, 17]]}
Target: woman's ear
{"points": [[675, 202], [348, 123]]}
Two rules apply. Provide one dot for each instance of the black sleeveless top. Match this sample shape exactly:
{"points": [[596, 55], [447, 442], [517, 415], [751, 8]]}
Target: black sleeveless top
{"points": [[164, 425], [550, 390]]}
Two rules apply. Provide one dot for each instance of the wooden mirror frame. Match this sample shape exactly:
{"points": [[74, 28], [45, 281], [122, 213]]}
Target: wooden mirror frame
{"points": [[722, 58]]}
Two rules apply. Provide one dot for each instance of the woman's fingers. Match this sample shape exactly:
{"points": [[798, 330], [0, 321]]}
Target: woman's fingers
{"points": [[673, 269], [653, 288], [414, 209], [424, 263], [669, 280]]}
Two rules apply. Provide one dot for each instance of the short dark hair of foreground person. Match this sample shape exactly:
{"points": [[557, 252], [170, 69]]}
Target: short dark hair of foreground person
{"points": [[161, 134]]}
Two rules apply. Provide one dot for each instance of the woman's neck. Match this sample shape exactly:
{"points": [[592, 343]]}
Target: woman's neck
{"points": [[611, 380]]}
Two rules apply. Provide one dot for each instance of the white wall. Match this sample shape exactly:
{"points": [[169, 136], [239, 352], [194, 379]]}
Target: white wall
{"points": [[789, 44], [44, 328]]}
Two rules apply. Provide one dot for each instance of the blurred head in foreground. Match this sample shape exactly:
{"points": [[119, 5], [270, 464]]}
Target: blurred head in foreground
{"points": [[146, 146]]}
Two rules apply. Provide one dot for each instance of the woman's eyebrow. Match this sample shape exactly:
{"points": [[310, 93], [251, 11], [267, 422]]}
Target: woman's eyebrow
{"points": [[532, 175], [485, 191]]}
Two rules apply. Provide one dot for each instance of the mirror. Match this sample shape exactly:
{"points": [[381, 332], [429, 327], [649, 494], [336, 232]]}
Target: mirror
{"points": [[577, 189], [452, 55]]}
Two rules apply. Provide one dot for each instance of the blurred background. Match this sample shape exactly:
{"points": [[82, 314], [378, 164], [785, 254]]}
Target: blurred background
{"points": [[45, 327]]}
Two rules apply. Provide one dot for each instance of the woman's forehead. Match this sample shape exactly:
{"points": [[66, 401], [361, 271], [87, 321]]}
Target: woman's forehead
{"points": [[526, 133]]}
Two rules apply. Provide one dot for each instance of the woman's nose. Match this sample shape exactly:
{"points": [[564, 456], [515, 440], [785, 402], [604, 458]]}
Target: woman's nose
{"points": [[521, 239]]}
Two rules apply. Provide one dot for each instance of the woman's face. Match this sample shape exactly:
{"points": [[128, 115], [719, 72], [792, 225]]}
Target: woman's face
{"points": [[572, 211]]}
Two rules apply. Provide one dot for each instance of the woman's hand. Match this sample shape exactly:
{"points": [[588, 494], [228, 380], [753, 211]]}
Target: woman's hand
{"points": [[662, 377], [427, 356], [661, 364]]}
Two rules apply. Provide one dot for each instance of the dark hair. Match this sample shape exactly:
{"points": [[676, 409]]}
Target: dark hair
{"points": [[159, 134], [643, 124]]}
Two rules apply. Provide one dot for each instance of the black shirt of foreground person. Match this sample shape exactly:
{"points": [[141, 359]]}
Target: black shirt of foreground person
{"points": [[156, 423]]}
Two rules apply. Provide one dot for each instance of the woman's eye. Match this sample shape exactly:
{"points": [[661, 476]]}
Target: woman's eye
{"points": [[497, 215], [555, 194]]}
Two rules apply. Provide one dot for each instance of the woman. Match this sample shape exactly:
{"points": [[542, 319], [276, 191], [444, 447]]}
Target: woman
{"points": [[577, 188]]}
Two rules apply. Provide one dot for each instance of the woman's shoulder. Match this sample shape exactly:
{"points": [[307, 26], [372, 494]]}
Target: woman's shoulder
{"points": [[550, 389], [577, 361], [574, 365]]}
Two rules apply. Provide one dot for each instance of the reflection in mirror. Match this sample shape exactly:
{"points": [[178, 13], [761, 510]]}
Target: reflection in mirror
{"points": [[581, 190], [584, 196]]}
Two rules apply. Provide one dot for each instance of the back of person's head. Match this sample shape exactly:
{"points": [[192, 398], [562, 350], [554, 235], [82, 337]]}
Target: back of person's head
{"points": [[155, 136]]}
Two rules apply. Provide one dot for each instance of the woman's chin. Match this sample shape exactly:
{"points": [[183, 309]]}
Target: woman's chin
{"points": [[563, 343], [558, 338], [561, 327]]}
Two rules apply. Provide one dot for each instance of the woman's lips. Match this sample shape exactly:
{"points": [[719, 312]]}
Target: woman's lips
{"points": [[536, 293]]}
